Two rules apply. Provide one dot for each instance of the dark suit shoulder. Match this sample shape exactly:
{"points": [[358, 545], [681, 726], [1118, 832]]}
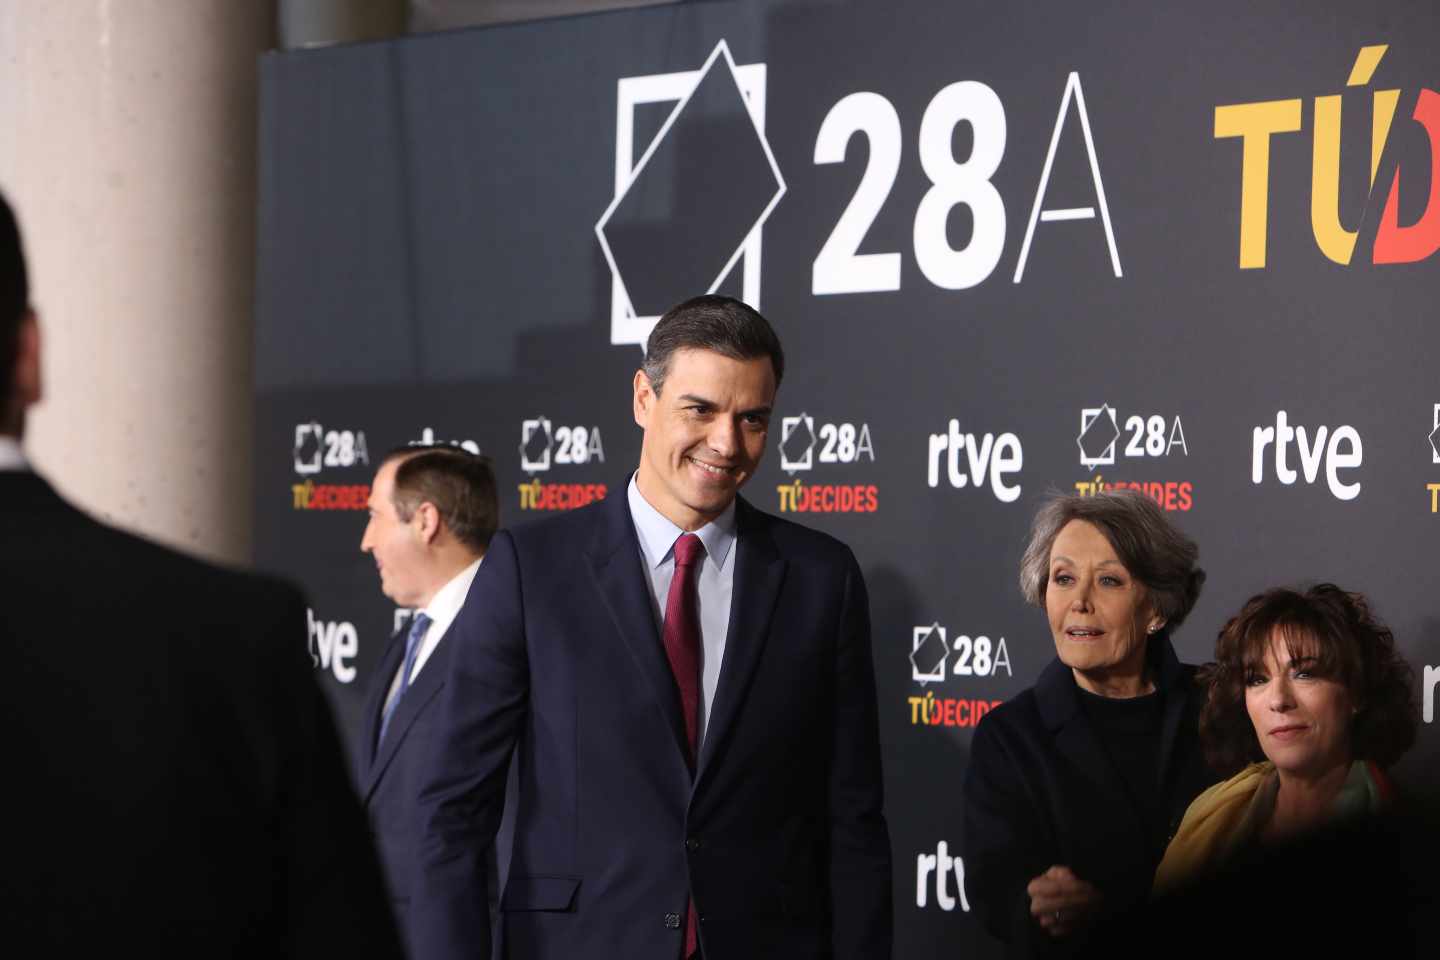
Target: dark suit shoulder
{"points": [[206, 592], [796, 541], [79, 570], [568, 527], [607, 523], [799, 536], [129, 558], [147, 560]]}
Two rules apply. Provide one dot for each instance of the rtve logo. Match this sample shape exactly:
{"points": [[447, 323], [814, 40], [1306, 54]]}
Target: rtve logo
{"points": [[1256, 123], [332, 646], [1432, 677], [938, 869], [427, 439], [985, 457], [1343, 452]]}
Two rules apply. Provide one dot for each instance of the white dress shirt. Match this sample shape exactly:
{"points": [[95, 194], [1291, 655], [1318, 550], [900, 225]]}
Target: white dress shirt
{"points": [[11, 456], [442, 610], [714, 584]]}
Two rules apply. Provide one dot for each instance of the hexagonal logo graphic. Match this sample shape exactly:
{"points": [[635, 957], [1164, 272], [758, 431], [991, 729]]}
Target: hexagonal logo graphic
{"points": [[535, 442], [1098, 433], [308, 448], [693, 205], [928, 651], [797, 443], [1435, 436]]}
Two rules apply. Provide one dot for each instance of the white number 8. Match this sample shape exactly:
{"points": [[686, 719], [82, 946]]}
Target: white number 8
{"points": [[956, 183]]}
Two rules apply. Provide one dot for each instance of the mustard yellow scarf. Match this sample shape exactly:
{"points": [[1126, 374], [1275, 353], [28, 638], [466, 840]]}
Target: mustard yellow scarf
{"points": [[1225, 818], [1210, 829]]}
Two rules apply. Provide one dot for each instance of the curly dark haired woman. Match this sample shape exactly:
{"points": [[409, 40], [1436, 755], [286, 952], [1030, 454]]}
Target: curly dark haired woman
{"points": [[1307, 704]]}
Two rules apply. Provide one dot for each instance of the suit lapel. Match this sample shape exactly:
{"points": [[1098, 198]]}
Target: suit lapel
{"points": [[390, 661], [614, 557], [759, 572], [423, 689]]}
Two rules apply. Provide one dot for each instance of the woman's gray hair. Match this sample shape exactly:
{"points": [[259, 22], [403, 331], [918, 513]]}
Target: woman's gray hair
{"points": [[1155, 553]]}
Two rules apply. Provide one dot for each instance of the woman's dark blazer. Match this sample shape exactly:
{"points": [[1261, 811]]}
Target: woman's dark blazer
{"points": [[1042, 791]]}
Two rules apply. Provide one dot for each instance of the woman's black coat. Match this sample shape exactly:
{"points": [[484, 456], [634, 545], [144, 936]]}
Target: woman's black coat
{"points": [[1041, 791]]}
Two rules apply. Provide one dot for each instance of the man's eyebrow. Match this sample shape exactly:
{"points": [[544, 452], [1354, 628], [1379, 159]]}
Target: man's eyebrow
{"points": [[692, 398]]}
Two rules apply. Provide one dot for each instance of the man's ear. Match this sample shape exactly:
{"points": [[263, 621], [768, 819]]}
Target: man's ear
{"points": [[645, 398], [24, 377], [27, 361], [426, 522]]}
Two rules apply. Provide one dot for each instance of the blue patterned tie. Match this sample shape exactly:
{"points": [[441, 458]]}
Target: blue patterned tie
{"points": [[418, 626]]}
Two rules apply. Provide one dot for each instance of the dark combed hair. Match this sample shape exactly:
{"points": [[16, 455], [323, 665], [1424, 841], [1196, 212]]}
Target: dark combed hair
{"points": [[14, 296], [460, 484], [722, 324], [1349, 645]]}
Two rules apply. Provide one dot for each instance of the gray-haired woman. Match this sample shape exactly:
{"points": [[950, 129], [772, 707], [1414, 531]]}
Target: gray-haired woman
{"points": [[1075, 786]]}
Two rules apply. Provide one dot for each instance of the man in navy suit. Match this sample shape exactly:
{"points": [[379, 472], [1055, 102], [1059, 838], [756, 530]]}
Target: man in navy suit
{"points": [[685, 686], [433, 511]]}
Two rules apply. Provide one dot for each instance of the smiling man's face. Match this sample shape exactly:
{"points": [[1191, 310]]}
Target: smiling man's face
{"points": [[704, 433]]}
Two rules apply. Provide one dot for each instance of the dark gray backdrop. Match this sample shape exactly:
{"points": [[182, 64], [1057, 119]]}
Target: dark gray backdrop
{"points": [[430, 267]]}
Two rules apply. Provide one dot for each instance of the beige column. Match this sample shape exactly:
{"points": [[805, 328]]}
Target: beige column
{"points": [[127, 148]]}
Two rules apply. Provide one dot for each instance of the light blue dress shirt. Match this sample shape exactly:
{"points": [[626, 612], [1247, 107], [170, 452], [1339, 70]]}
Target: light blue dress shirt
{"points": [[714, 585]]}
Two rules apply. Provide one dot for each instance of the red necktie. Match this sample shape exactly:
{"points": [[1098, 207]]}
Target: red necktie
{"points": [[682, 648]]}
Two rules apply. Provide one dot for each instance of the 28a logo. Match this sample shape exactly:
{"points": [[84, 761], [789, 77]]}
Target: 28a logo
{"points": [[976, 656], [543, 444], [837, 442], [317, 448], [840, 268], [1149, 436]]}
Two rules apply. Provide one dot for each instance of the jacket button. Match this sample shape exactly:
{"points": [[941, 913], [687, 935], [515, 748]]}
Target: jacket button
{"points": [[692, 844], [672, 921]]}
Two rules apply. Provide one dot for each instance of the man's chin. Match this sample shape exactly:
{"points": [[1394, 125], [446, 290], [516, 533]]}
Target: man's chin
{"points": [[712, 502]]}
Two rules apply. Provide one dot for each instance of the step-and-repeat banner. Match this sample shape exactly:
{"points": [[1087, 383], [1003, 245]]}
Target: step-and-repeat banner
{"points": [[1010, 249]]}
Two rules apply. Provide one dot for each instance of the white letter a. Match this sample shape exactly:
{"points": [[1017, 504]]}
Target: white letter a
{"points": [[1072, 89]]}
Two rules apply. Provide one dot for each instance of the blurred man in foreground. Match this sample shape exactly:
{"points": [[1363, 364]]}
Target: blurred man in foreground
{"points": [[174, 785]]}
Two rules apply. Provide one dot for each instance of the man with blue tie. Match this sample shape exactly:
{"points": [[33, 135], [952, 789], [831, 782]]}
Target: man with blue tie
{"points": [[684, 685], [433, 511]]}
